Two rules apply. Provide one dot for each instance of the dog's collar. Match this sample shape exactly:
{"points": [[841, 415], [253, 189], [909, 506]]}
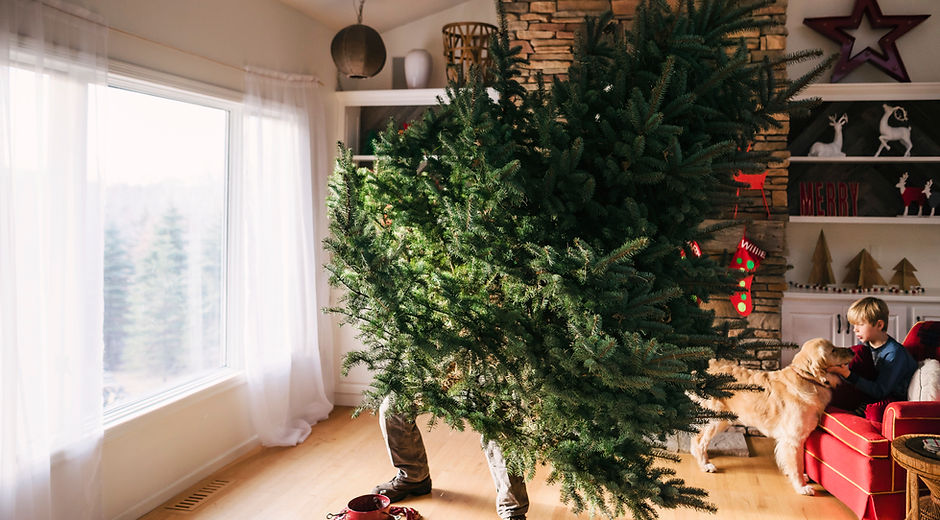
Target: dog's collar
{"points": [[812, 379]]}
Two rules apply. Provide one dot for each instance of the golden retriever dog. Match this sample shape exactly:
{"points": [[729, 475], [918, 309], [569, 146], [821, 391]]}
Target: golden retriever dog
{"points": [[786, 409]]}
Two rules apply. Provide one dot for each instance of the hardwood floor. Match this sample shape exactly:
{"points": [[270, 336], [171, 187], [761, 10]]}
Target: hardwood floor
{"points": [[345, 457]]}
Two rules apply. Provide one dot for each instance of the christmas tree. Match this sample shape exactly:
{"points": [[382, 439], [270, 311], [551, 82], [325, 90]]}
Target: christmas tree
{"points": [[822, 263], [863, 271], [904, 275], [515, 265]]}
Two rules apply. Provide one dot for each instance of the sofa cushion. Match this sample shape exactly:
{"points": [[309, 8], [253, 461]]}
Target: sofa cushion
{"points": [[857, 433], [925, 384], [866, 474]]}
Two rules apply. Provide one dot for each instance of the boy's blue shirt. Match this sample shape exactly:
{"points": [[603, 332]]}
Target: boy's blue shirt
{"points": [[895, 367]]}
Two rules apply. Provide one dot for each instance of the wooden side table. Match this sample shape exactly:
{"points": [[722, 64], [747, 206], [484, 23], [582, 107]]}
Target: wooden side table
{"points": [[919, 467]]}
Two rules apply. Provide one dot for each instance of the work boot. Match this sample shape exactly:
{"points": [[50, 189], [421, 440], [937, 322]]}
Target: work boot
{"points": [[396, 489]]}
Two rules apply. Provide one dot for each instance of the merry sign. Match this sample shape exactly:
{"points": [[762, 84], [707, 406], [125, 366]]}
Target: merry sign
{"points": [[829, 199]]}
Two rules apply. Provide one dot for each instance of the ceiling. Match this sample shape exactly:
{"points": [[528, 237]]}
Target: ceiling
{"points": [[381, 15]]}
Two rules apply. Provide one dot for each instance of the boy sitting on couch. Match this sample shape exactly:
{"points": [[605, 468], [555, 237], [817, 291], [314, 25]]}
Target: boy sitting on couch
{"points": [[893, 364]]}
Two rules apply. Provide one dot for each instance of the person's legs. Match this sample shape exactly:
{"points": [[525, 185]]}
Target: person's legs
{"points": [[512, 499], [406, 451]]}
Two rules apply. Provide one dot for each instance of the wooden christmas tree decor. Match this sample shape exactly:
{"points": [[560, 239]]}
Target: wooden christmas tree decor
{"points": [[863, 271], [822, 263], [904, 275]]}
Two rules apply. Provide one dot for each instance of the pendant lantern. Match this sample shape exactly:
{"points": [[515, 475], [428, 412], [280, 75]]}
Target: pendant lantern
{"points": [[357, 50]]}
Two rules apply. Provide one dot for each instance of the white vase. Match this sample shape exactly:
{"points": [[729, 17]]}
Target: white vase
{"points": [[417, 68]]}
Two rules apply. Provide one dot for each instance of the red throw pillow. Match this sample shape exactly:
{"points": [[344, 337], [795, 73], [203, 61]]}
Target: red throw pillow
{"points": [[875, 412], [923, 340]]}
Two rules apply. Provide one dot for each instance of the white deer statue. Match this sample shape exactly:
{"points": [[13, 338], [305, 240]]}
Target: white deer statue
{"points": [[833, 149], [894, 133]]}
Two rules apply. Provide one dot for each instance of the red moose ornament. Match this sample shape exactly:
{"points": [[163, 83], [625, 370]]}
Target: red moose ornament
{"points": [[754, 181]]}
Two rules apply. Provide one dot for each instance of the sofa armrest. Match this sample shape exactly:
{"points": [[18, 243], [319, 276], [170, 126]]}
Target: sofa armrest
{"points": [[856, 433], [904, 417]]}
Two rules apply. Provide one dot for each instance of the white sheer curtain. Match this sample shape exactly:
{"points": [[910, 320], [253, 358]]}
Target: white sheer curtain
{"points": [[51, 59], [274, 266]]}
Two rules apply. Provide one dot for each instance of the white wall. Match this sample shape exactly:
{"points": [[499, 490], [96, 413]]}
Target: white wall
{"points": [[887, 243], [917, 48], [424, 33], [263, 33], [151, 458]]}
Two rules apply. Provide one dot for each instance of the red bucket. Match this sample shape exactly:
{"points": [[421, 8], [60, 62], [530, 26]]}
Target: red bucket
{"points": [[368, 507]]}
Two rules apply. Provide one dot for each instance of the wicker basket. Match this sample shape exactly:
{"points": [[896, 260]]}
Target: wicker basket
{"points": [[467, 44], [929, 508]]}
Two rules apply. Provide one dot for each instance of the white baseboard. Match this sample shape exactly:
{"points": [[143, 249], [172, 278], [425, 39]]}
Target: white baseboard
{"points": [[353, 399], [349, 394], [145, 506]]}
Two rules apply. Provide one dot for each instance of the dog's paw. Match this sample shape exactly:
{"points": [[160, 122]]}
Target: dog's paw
{"points": [[806, 490], [708, 467]]}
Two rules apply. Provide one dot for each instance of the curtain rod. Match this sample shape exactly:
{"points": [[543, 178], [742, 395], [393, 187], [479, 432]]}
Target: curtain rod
{"points": [[92, 18]]}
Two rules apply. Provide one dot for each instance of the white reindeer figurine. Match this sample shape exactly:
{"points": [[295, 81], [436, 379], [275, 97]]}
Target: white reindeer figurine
{"points": [[833, 149], [894, 133], [933, 199], [911, 195]]}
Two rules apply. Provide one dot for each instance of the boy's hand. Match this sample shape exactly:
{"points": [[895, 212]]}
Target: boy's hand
{"points": [[842, 370]]}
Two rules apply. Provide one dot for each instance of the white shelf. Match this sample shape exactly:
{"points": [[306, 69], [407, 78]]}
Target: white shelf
{"points": [[351, 101], [391, 97], [871, 91], [863, 159], [396, 97], [928, 296], [905, 221]]}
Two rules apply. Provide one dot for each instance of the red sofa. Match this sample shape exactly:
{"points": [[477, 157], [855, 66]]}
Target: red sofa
{"points": [[850, 456]]}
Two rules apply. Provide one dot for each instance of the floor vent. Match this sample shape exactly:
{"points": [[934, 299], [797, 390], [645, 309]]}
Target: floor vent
{"points": [[200, 496]]}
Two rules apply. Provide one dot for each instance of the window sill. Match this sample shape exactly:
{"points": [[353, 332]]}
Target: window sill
{"points": [[119, 420]]}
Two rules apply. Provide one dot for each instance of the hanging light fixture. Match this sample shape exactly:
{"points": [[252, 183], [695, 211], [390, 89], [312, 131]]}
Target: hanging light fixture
{"points": [[357, 50]]}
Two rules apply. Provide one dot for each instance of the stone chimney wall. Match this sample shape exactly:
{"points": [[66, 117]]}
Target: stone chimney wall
{"points": [[546, 31]]}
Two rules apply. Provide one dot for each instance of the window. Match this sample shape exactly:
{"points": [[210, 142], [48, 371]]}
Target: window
{"points": [[164, 158]]}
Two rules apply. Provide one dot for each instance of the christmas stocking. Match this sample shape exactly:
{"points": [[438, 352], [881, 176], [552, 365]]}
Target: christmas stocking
{"points": [[746, 259], [742, 301]]}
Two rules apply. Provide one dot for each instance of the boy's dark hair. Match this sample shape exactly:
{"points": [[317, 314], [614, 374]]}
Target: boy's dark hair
{"points": [[868, 310]]}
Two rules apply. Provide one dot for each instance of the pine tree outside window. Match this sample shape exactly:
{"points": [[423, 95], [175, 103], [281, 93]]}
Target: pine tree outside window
{"points": [[165, 157]]}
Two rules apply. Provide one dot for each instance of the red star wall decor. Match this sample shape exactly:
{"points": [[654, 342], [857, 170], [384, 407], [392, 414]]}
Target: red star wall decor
{"points": [[888, 60]]}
